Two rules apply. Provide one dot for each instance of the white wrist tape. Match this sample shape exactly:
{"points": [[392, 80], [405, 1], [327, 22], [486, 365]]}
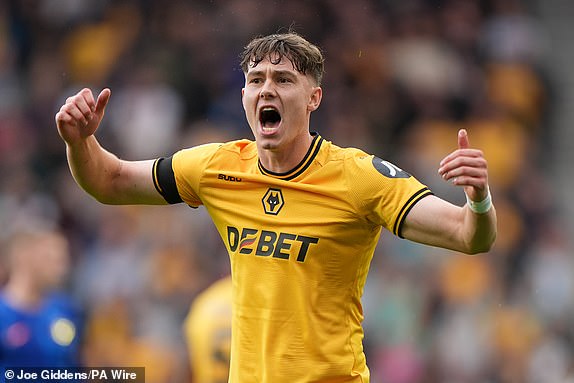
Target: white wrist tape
{"points": [[480, 207]]}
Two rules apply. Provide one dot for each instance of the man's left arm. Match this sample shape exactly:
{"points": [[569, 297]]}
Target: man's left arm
{"points": [[469, 229]]}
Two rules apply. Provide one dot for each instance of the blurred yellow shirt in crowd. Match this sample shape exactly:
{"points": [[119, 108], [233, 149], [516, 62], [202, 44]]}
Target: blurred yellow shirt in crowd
{"points": [[207, 329]]}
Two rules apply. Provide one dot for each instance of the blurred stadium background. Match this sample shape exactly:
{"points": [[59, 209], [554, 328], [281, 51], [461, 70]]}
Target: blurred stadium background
{"points": [[401, 77]]}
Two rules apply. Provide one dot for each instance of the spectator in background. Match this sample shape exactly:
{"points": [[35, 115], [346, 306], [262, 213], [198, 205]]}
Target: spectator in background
{"points": [[207, 329], [38, 325]]}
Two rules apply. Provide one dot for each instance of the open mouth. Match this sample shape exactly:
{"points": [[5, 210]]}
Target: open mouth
{"points": [[269, 118]]}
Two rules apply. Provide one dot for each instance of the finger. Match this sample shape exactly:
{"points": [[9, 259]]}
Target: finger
{"points": [[463, 139], [461, 153], [63, 117], [471, 157], [103, 99], [89, 98], [81, 101], [479, 183], [465, 171], [75, 113]]}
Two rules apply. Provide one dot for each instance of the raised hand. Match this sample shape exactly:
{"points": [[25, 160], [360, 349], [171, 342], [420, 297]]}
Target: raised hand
{"points": [[466, 167], [81, 115]]}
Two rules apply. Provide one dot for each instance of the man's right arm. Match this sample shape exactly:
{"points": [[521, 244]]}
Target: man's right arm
{"points": [[100, 173]]}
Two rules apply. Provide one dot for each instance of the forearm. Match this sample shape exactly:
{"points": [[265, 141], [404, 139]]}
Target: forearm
{"points": [[478, 231], [109, 179], [94, 168], [436, 222]]}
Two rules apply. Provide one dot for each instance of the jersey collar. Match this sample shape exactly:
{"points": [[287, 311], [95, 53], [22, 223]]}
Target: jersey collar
{"points": [[302, 166]]}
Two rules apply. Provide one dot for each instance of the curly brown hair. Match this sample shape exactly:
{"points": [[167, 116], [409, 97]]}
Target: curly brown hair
{"points": [[306, 57]]}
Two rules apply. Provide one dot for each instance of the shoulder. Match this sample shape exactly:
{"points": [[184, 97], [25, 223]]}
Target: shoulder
{"points": [[356, 161], [333, 153], [5, 307], [235, 146], [62, 305], [243, 148], [358, 164]]}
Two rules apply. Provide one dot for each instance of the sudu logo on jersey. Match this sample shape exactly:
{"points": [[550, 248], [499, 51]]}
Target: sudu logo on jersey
{"points": [[273, 201]]}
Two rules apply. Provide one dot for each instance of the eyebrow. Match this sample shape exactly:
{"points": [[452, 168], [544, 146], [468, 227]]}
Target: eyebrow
{"points": [[274, 73]]}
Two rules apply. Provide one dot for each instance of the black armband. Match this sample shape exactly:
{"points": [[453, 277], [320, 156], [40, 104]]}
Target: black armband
{"points": [[164, 180]]}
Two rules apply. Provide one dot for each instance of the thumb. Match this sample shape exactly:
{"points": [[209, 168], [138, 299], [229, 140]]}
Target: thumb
{"points": [[103, 99], [462, 139]]}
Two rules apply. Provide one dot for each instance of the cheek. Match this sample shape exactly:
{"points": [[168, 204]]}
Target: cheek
{"points": [[248, 100], [248, 109], [243, 99], [302, 105]]}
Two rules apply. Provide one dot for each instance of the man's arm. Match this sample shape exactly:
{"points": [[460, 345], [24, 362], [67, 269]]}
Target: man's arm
{"points": [[100, 173], [436, 222]]}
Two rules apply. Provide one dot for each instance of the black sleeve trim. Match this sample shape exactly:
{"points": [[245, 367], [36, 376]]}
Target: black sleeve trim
{"points": [[164, 180], [398, 228]]}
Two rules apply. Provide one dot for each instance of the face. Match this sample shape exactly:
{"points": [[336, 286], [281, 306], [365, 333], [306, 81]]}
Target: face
{"points": [[278, 101], [51, 260]]}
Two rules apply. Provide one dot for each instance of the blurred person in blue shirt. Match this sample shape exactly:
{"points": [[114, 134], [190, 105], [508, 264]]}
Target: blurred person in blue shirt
{"points": [[39, 324]]}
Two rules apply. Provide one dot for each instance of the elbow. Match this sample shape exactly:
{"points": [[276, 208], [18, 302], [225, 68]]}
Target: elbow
{"points": [[481, 247], [109, 198], [103, 200], [478, 250], [104, 189], [98, 197], [102, 196]]}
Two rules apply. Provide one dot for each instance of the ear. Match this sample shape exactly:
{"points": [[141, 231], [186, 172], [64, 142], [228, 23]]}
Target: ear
{"points": [[243, 97], [315, 99]]}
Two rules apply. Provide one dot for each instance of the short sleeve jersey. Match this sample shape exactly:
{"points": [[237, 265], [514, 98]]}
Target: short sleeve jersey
{"points": [[300, 245]]}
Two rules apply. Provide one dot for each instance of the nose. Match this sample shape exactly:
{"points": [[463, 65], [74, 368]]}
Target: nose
{"points": [[267, 90]]}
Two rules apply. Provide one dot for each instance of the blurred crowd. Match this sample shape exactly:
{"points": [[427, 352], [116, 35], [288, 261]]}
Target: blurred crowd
{"points": [[402, 76]]}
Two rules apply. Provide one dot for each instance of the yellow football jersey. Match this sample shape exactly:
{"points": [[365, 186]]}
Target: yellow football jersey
{"points": [[300, 245], [207, 328]]}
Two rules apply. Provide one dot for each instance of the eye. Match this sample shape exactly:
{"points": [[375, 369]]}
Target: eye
{"points": [[255, 80], [284, 80]]}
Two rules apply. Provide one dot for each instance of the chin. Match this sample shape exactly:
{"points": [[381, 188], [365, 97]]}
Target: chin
{"points": [[268, 145]]}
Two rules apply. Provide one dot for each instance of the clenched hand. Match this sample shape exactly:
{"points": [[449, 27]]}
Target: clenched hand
{"points": [[81, 115]]}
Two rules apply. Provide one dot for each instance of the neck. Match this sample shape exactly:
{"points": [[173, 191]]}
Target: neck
{"points": [[282, 160], [22, 292]]}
